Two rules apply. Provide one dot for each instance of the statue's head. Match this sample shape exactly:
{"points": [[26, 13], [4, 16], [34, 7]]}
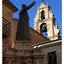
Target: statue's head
{"points": [[23, 6]]}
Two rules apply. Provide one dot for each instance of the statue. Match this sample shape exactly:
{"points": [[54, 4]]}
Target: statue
{"points": [[23, 24]]}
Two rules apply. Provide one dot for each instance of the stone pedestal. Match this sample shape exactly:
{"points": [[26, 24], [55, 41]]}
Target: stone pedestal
{"points": [[24, 49]]}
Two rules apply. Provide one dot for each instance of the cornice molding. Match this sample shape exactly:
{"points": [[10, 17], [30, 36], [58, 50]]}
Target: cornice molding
{"points": [[48, 44], [10, 5]]}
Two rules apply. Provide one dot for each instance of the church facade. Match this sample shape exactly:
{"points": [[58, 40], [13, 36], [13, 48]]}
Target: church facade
{"points": [[38, 50]]}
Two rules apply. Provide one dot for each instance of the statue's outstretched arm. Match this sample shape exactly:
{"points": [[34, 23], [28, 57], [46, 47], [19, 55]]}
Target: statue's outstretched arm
{"points": [[26, 8], [29, 6]]}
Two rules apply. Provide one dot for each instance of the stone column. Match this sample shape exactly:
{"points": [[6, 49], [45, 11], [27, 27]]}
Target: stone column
{"points": [[18, 59], [13, 62], [6, 62], [35, 61], [9, 62], [29, 61], [34, 51], [40, 61], [17, 62]]}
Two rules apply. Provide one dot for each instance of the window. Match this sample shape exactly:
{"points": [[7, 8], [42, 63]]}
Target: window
{"points": [[52, 58], [6, 27]]}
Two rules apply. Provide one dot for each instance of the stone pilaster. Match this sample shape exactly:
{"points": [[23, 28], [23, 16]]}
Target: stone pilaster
{"points": [[38, 58]]}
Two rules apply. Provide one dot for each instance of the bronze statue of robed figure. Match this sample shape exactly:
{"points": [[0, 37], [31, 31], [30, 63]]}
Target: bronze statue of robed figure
{"points": [[23, 24]]}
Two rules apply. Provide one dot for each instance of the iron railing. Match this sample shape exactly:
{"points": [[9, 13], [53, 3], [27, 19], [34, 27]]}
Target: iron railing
{"points": [[6, 25]]}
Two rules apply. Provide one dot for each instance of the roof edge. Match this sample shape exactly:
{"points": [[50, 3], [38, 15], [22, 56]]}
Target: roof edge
{"points": [[39, 33], [46, 42]]}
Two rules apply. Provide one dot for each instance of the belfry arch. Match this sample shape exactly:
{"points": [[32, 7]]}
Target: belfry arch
{"points": [[43, 28], [42, 15]]}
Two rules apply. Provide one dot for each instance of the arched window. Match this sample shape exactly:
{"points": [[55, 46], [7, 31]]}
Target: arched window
{"points": [[42, 15], [43, 29]]}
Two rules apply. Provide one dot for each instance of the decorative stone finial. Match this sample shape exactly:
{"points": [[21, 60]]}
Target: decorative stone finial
{"points": [[56, 25], [42, 0], [47, 4], [50, 10], [38, 6]]}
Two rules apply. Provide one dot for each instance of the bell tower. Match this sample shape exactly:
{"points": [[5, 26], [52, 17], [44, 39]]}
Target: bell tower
{"points": [[45, 22]]}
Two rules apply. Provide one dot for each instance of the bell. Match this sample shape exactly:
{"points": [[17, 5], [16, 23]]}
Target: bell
{"points": [[44, 29]]}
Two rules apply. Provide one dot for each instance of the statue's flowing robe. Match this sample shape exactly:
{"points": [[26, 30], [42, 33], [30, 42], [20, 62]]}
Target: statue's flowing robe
{"points": [[23, 24]]}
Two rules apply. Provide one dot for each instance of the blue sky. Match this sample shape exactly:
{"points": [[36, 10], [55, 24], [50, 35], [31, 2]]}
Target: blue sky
{"points": [[54, 4]]}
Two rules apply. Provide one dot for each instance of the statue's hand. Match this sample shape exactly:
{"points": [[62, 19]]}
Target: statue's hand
{"points": [[28, 7], [34, 2]]}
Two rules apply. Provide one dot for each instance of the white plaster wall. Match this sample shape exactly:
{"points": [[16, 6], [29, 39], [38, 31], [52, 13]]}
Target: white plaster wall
{"points": [[52, 49]]}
